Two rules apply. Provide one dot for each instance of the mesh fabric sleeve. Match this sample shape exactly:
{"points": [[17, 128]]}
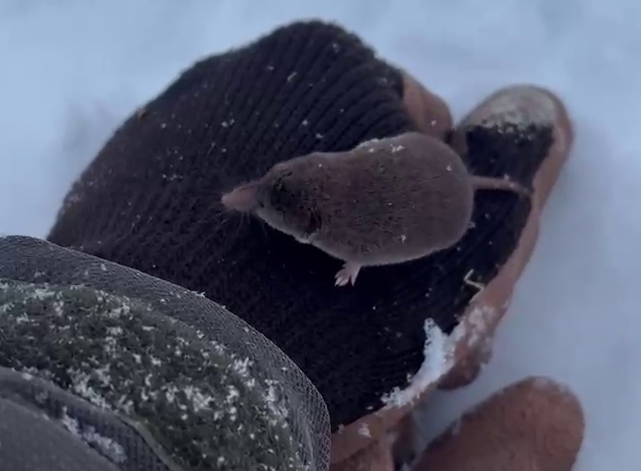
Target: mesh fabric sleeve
{"points": [[105, 368]]}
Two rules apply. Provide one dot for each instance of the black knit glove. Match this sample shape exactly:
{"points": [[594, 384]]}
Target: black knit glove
{"points": [[150, 200]]}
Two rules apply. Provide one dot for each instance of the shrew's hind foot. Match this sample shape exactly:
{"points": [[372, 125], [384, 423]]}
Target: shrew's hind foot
{"points": [[347, 274]]}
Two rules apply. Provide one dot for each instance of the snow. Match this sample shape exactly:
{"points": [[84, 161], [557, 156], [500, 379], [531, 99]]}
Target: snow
{"points": [[71, 70], [439, 356]]}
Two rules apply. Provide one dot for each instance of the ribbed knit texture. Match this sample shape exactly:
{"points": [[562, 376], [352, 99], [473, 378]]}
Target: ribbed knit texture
{"points": [[150, 200]]}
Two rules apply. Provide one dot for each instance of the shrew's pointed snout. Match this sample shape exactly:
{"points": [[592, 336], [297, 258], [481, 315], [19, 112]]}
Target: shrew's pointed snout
{"points": [[243, 198]]}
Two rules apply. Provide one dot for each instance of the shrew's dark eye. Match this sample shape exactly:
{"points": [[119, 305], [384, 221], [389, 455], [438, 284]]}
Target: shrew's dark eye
{"points": [[283, 196]]}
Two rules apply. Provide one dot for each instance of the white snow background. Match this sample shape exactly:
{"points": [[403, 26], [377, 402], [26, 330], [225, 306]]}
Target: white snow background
{"points": [[70, 71]]}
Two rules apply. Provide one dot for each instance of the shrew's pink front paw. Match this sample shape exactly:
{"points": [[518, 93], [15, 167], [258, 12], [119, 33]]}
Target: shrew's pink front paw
{"points": [[347, 274]]}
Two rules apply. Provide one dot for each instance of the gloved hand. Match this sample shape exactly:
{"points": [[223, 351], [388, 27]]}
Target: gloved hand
{"points": [[536, 422], [150, 201]]}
